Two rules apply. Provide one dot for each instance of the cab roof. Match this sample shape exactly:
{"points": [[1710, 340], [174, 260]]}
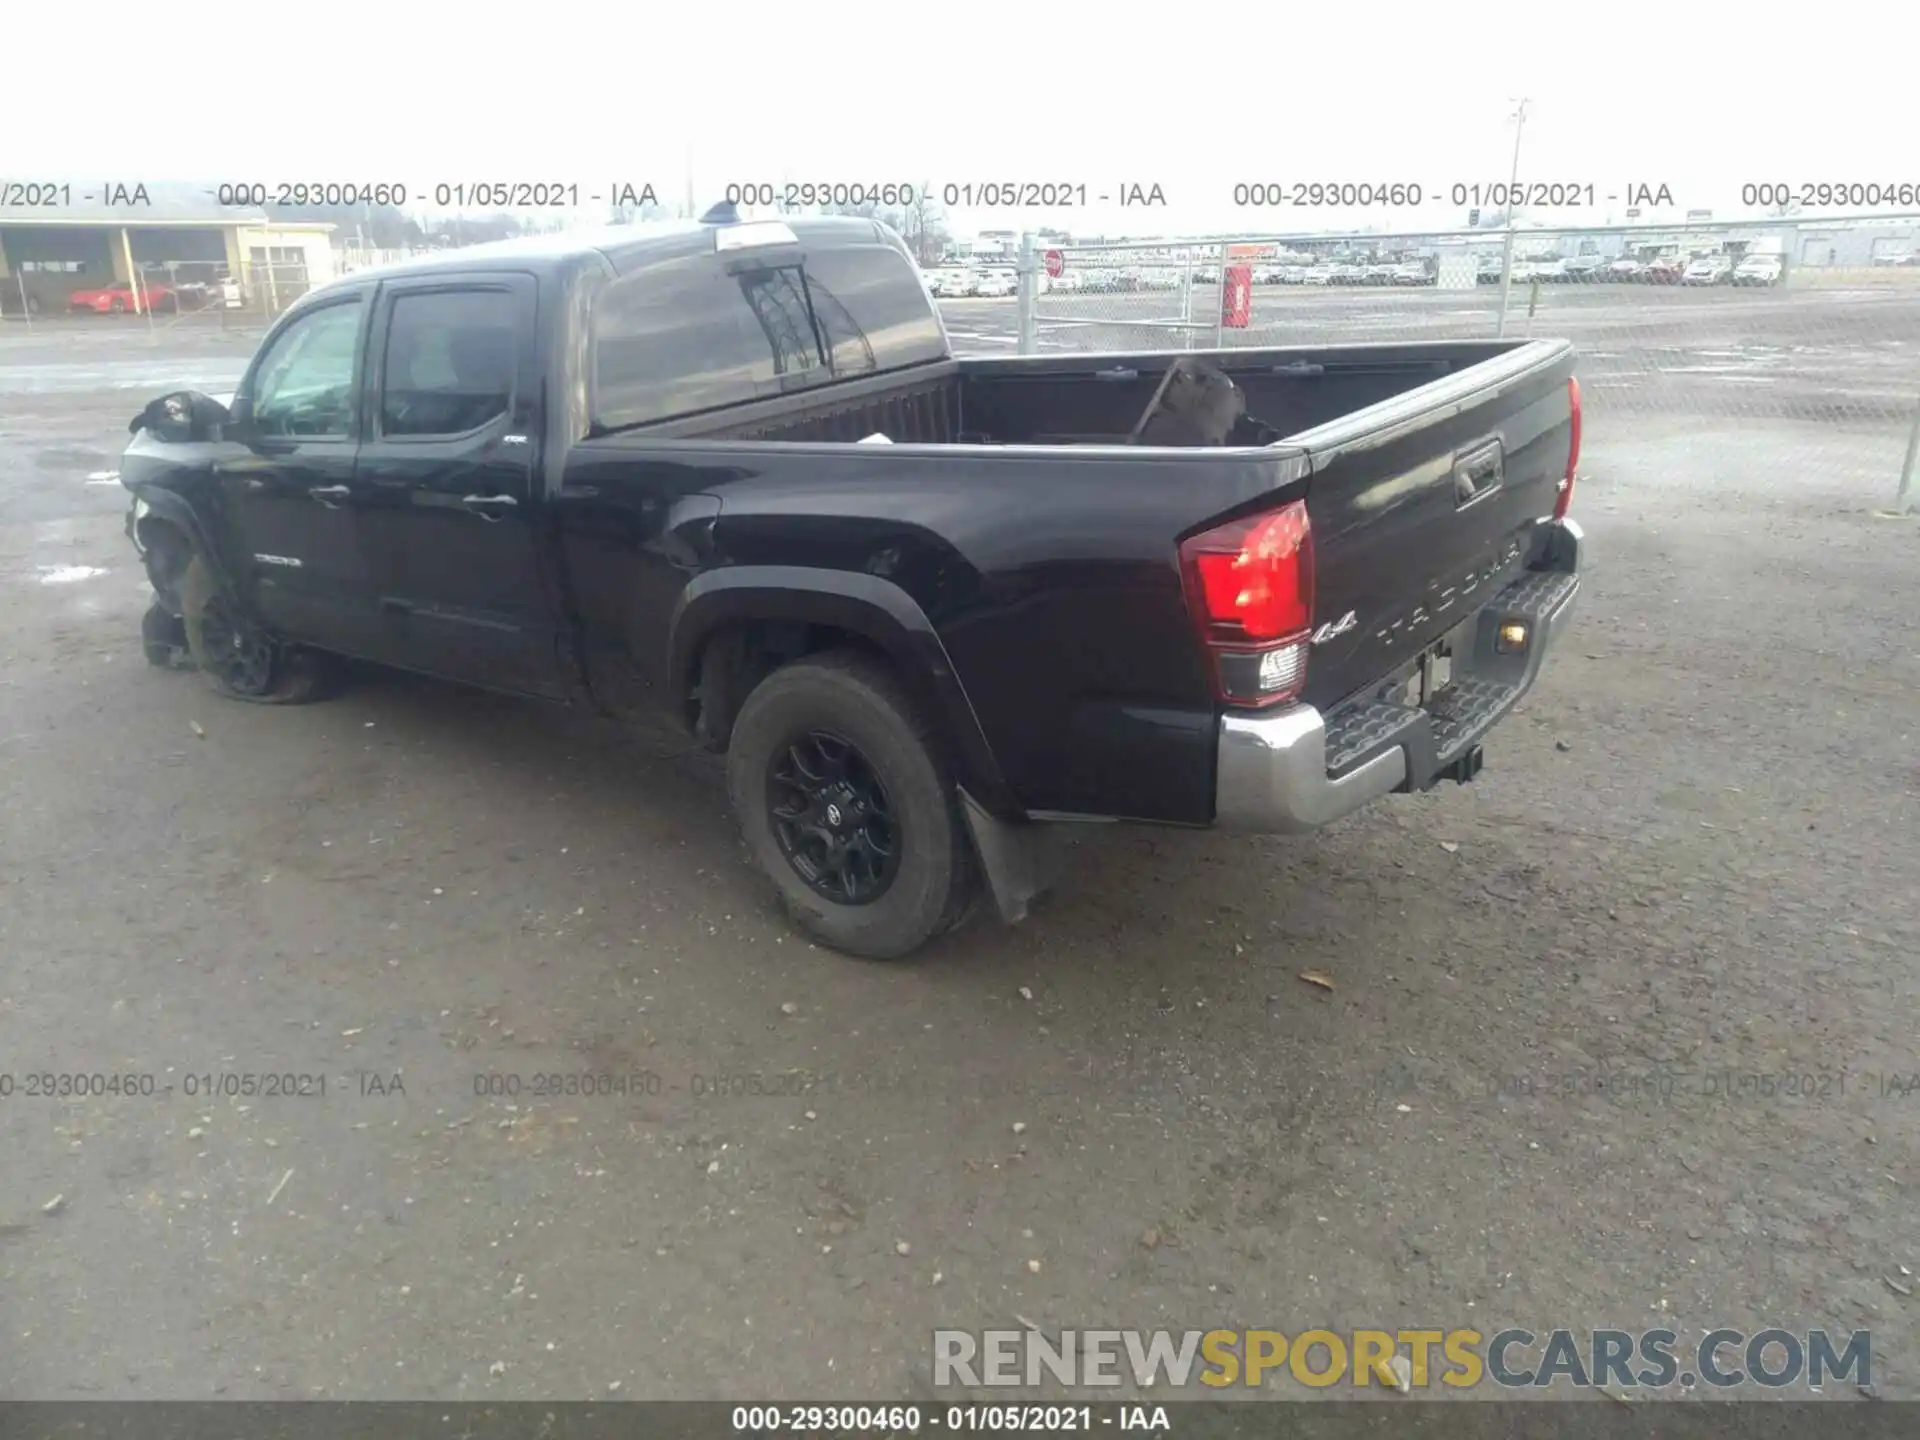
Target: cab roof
{"points": [[630, 247]]}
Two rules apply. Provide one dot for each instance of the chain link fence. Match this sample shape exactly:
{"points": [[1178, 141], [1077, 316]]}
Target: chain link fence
{"points": [[180, 295], [1807, 335]]}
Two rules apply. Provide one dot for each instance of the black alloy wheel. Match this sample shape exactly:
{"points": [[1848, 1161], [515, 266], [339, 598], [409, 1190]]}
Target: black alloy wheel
{"points": [[240, 657], [832, 818]]}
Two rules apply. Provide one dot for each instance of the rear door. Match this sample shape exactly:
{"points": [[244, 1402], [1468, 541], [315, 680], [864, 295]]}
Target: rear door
{"points": [[447, 472], [1425, 505], [287, 478]]}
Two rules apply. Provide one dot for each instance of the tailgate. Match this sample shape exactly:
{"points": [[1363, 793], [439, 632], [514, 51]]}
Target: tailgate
{"points": [[1424, 505]]}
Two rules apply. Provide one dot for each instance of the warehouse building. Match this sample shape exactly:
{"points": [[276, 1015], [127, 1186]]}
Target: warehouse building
{"points": [[68, 239], [1858, 245]]}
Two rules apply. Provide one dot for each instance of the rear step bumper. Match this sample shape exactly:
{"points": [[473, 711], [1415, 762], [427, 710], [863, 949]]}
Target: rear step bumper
{"points": [[1299, 769]]}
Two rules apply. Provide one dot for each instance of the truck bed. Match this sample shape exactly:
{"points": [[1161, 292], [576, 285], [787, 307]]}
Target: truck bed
{"points": [[1052, 581], [1083, 399]]}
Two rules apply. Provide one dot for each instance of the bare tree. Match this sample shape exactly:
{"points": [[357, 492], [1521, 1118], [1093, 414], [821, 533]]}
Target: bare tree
{"points": [[921, 222], [924, 226]]}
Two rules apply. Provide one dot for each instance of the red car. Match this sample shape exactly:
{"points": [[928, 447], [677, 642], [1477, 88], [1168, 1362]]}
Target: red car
{"points": [[114, 299]]}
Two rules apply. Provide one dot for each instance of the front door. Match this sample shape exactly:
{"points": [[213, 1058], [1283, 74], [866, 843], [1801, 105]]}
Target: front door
{"points": [[286, 476], [447, 475]]}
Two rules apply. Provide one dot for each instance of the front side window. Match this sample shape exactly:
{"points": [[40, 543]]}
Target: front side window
{"points": [[304, 385], [450, 362]]}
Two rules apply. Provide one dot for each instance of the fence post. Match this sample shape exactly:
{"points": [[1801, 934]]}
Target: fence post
{"points": [[1027, 287], [1220, 299], [26, 305], [1901, 504]]}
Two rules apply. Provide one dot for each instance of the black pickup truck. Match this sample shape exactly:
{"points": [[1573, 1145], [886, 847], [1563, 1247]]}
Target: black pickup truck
{"points": [[627, 470]]}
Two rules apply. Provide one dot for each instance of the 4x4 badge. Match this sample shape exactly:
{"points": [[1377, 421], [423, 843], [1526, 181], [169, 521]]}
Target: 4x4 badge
{"points": [[1334, 627]]}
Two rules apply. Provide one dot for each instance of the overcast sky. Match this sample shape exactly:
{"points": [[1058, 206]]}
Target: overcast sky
{"points": [[1699, 97]]}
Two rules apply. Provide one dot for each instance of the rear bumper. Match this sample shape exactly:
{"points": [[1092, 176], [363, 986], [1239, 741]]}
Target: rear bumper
{"points": [[1299, 769]]}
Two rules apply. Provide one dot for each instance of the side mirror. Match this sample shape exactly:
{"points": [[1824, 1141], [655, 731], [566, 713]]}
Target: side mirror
{"points": [[182, 417]]}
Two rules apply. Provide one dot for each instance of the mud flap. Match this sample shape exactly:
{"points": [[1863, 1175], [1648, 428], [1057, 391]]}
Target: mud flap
{"points": [[1020, 862]]}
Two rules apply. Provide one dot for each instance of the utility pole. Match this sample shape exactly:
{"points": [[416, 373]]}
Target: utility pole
{"points": [[1513, 184]]}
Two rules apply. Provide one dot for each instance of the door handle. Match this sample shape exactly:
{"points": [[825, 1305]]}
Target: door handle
{"points": [[1478, 472], [327, 495], [481, 504]]}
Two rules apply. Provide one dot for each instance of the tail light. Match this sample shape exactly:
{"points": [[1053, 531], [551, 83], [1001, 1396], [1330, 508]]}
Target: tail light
{"points": [[1565, 502], [1249, 585]]}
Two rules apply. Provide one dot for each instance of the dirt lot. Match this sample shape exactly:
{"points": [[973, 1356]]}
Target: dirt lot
{"points": [[1613, 1038]]}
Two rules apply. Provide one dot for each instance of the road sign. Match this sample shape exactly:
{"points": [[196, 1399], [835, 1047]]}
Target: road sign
{"points": [[1056, 264], [1633, 212], [1473, 219]]}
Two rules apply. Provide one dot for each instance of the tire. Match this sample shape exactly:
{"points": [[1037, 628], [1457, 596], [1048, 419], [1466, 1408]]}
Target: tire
{"points": [[117, 305], [856, 700], [272, 672]]}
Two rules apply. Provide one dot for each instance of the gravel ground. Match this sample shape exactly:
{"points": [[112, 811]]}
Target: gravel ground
{"points": [[1547, 1087]]}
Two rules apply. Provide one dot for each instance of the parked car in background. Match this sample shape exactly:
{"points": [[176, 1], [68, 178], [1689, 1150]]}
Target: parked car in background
{"points": [[1318, 275], [197, 294], [1707, 270], [1348, 274], [1664, 270], [1412, 272], [1378, 274], [1551, 270], [1068, 282], [122, 298], [1486, 270], [996, 284], [1757, 270], [1583, 269], [1625, 270]]}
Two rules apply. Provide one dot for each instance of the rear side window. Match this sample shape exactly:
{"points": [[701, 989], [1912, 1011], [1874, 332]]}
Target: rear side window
{"points": [[685, 335], [450, 361]]}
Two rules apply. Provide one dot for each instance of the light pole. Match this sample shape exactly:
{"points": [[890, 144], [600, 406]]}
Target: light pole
{"points": [[1506, 250]]}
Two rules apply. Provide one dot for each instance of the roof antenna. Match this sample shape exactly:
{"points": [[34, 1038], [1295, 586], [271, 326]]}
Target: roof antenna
{"points": [[725, 213]]}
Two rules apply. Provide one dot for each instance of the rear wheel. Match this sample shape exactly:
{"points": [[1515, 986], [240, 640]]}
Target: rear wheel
{"points": [[237, 657], [847, 804]]}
